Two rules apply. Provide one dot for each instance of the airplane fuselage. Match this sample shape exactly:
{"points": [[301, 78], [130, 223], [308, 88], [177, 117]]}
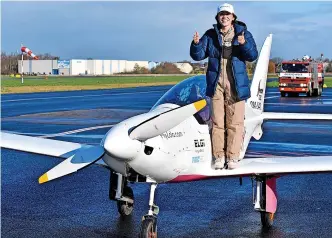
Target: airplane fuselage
{"points": [[184, 149]]}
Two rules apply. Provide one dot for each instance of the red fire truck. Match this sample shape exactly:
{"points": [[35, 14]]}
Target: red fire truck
{"points": [[301, 76]]}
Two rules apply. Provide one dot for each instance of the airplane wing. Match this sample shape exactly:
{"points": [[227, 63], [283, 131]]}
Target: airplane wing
{"points": [[77, 156], [286, 165], [266, 166]]}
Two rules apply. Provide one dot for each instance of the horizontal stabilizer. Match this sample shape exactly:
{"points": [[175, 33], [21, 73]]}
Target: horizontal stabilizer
{"points": [[165, 121], [82, 158], [295, 116]]}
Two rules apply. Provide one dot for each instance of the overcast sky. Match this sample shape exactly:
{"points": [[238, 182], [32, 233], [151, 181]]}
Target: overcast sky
{"points": [[158, 31]]}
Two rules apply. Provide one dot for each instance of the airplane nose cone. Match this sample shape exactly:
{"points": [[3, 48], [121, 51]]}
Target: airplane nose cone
{"points": [[118, 144]]}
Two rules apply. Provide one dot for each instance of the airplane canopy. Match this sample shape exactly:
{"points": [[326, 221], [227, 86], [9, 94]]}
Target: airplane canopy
{"points": [[188, 91]]}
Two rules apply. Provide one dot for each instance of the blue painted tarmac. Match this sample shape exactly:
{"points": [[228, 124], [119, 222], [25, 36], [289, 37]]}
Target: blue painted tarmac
{"points": [[78, 205]]}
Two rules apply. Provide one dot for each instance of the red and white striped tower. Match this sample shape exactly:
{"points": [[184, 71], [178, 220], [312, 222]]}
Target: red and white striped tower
{"points": [[27, 51]]}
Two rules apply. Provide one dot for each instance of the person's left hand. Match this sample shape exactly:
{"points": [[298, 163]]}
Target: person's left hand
{"points": [[241, 39]]}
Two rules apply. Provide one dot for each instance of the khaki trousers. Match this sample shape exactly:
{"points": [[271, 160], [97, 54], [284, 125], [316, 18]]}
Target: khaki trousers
{"points": [[227, 118]]}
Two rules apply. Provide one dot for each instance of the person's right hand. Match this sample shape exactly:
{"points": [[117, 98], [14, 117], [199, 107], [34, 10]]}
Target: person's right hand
{"points": [[196, 37]]}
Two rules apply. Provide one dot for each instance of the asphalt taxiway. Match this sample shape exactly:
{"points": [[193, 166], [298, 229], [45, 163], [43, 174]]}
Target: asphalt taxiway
{"points": [[77, 205]]}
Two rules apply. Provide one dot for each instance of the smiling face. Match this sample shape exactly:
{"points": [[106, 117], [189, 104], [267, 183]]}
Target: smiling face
{"points": [[225, 18]]}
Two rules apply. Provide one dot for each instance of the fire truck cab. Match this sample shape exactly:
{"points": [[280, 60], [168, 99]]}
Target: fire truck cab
{"points": [[301, 76]]}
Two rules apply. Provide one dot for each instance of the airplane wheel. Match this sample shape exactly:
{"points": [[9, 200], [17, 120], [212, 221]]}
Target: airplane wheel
{"points": [[267, 219], [148, 228], [126, 208]]}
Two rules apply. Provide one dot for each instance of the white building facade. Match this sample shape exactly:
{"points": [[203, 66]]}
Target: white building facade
{"points": [[184, 67], [88, 67], [79, 66]]}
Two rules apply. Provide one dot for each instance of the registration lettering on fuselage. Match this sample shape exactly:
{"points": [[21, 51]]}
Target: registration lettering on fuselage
{"points": [[256, 105]]}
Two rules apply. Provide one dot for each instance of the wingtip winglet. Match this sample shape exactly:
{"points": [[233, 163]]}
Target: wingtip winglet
{"points": [[200, 104], [43, 178]]}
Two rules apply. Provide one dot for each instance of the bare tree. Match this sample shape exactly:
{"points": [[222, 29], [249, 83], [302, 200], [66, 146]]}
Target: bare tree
{"points": [[277, 61], [140, 70], [329, 67]]}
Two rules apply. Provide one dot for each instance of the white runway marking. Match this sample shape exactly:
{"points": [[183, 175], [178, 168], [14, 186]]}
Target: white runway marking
{"points": [[312, 147], [76, 131], [92, 95], [272, 97], [272, 92]]}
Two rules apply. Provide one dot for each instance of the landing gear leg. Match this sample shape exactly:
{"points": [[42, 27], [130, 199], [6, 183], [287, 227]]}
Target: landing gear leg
{"points": [[265, 199], [149, 221], [122, 193]]}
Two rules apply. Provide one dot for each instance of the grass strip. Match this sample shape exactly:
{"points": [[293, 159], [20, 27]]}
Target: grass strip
{"points": [[51, 84]]}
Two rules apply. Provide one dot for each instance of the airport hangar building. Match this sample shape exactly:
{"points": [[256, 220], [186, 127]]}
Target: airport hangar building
{"points": [[81, 66]]}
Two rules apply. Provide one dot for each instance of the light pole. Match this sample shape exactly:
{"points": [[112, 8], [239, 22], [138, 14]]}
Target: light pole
{"points": [[22, 80], [29, 53]]}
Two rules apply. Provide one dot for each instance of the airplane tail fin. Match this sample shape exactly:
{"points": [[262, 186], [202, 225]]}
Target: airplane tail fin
{"points": [[258, 86], [255, 104]]}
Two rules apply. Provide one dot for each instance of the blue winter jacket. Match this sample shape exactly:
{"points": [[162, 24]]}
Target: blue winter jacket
{"points": [[210, 45]]}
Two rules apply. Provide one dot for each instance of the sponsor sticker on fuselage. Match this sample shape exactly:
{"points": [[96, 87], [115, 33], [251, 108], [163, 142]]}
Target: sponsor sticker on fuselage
{"points": [[197, 159], [199, 143], [169, 135]]}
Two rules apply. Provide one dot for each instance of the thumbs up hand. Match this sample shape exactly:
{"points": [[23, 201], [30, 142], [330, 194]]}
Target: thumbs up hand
{"points": [[196, 37], [241, 38]]}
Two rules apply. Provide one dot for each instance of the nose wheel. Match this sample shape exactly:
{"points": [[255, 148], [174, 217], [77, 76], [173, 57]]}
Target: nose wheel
{"points": [[149, 227], [149, 221]]}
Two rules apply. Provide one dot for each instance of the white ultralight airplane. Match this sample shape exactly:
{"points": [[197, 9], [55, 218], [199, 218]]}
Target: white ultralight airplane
{"points": [[171, 143]]}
